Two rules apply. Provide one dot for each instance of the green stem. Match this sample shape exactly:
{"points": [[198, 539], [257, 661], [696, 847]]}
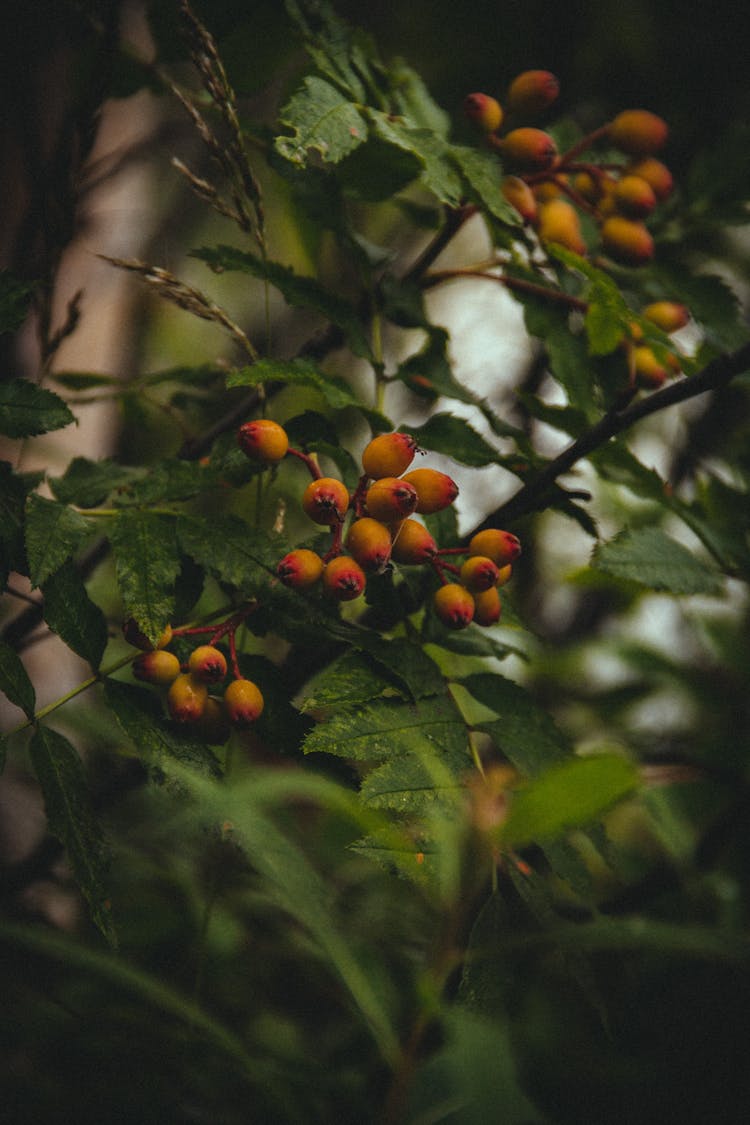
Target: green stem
{"points": [[77, 690]]}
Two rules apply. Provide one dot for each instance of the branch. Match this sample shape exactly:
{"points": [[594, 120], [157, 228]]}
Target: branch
{"points": [[532, 495]]}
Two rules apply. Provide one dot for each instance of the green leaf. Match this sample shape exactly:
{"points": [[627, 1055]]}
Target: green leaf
{"points": [[89, 483], [436, 171], [653, 560], [231, 550], [568, 356], [712, 302], [54, 533], [383, 728], [15, 298], [296, 372], [147, 560], [71, 819], [168, 481], [27, 410], [15, 682], [350, 679], [342, 55], [445, 433], [428, 371], [140, 715], [304, 292], [322, 119], [408, 786], [69, 612], [615, 462], [524, 731], [85, 380], [414, 101], [482, 173], [567, 796], [12, 513]]}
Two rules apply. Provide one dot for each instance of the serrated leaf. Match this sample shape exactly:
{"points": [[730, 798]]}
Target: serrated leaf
{"points": [[71, 819], [524, 731], [567, 796], [568, 356], [428, 371], [70, 612], [445, 433], [15, 298], [15, 682], [167, 482], [348, 680], [414, 101], [54, 532], [323, 119], [140, 715], [437, 173], [712, 302], [383, 728], [89, 483], [27, 410], [339, 53], [296, 372], [616, 463], [12, 512], [231, 550], [483, 174], [407, 786], [304, 292], [655, 561], [147, 560]]}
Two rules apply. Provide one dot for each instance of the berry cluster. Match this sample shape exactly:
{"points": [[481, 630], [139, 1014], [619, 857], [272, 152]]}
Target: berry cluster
{"points": [[373, 528], [188, 685], [552, 191]]}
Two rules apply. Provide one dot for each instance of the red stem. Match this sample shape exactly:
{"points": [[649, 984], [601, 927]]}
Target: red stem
{"points": [[312, 466]]}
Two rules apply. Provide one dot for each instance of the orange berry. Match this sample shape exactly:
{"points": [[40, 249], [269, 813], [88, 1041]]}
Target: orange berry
{"points": [[390, 499], [634, 197], [501, 546], [263, 440], [649, 368], [413, 544], [549, 189], [156, 667], [519, 195], [638, 132], [478, 573], [388, 455], [487, 607], [325, 500], [558, 222], [504, 574], [627, 241], [454, 605], [138, 639], [532, 149], [207, 664], [532, 92], [186, 698], [243, 702], [656, 174], [667, 315], [435, 490], [344, 578], [484, 112], [300, 568], [369, 543]]}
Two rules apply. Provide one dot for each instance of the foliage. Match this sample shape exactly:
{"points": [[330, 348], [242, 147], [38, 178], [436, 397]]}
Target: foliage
{"points": [[445, 871]]}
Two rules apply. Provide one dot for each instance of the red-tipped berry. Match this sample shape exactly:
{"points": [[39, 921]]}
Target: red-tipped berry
{"points": [[263, 440], [435, 490], [207, 664], [157, 667], [627, 241], [638, 132], [454, 605], [134, 636], [369, 543], [388, 455], [484, 112], [300, 568], [391, 499], [487, 607], [479, 573], [413, 544], [667, 315], [325, 500], [531, 149], [186, 698], [558, 222], [243, 702], [656, 174], [532, 92], [518, 193], [634, 197], [344, 578], [501, 546]]}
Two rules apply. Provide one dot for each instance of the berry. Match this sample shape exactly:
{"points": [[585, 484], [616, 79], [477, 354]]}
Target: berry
{"points": [[243, 702], [627, 241], [478, 573], [138, 639], [186, 698], [413, 544], [454, 605], [549, 189], [344, 578], [391, 499], [487, 607], [501, 546], [634, 197], [518, 193], [667, 315], [207, 664], [157, 667], [532, 92], [656, 175], [484, 112], [531, 149], [558, 222], [388, 455], [263, 440], [300, 568], [325, 500], [638, 132], [504, 574], [369, 543], [435, 490], [649, 368]]}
